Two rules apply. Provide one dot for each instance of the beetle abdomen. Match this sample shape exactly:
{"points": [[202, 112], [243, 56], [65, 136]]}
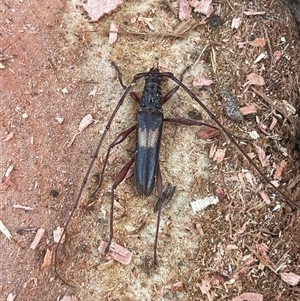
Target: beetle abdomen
{"points": [[149, 129]]}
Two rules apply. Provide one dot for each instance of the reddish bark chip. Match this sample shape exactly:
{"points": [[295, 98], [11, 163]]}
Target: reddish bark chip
{"points": [[208, 133], [249, 297], [184, 10], [97, 8], [116, 252], [290, 278]]}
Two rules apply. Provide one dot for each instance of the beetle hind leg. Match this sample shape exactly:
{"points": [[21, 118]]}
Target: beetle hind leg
{"points": [[164, 197]]}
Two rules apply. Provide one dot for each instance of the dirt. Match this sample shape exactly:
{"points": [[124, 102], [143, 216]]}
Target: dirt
{"points": [[56, 69]]}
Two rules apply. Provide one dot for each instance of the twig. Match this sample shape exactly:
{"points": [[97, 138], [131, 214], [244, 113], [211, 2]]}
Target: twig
{"points": [[154, 34], [263, 261], [270, 102]]}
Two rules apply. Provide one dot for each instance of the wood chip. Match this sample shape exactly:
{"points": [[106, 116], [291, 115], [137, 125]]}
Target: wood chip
{"points": [[219, 155], [263, 158], [205, 7], [22, 207], [258, 42], [8, 137], [57, 234], [4, 230], [199, 230], [279, 170], [11, 297], [69, 298], [255, 79], [290, 278], [39, 235], [200, 82], [251, 12], [184, 10], [251, 109], [236, 22], [116, 252], [113, 33], [265, 197], [249, 297], [48, 259]]}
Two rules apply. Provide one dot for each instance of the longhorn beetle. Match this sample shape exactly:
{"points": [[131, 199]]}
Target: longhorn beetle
{"points": [[148, 128]]}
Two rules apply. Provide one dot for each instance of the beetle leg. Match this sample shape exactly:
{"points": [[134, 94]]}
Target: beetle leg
{"points": [[121, 176], [169, 94], [164, 196], [120, 138]]}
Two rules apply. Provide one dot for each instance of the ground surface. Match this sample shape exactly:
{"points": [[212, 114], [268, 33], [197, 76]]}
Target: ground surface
{"points": [[56, 69]]}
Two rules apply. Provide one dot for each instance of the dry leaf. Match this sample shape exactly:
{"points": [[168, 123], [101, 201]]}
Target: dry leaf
{"points": [[184, 10], [97, 8], [290, 278], [39, 235], [258, 42], [113, 33], [85, 122], [255, 79]]}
